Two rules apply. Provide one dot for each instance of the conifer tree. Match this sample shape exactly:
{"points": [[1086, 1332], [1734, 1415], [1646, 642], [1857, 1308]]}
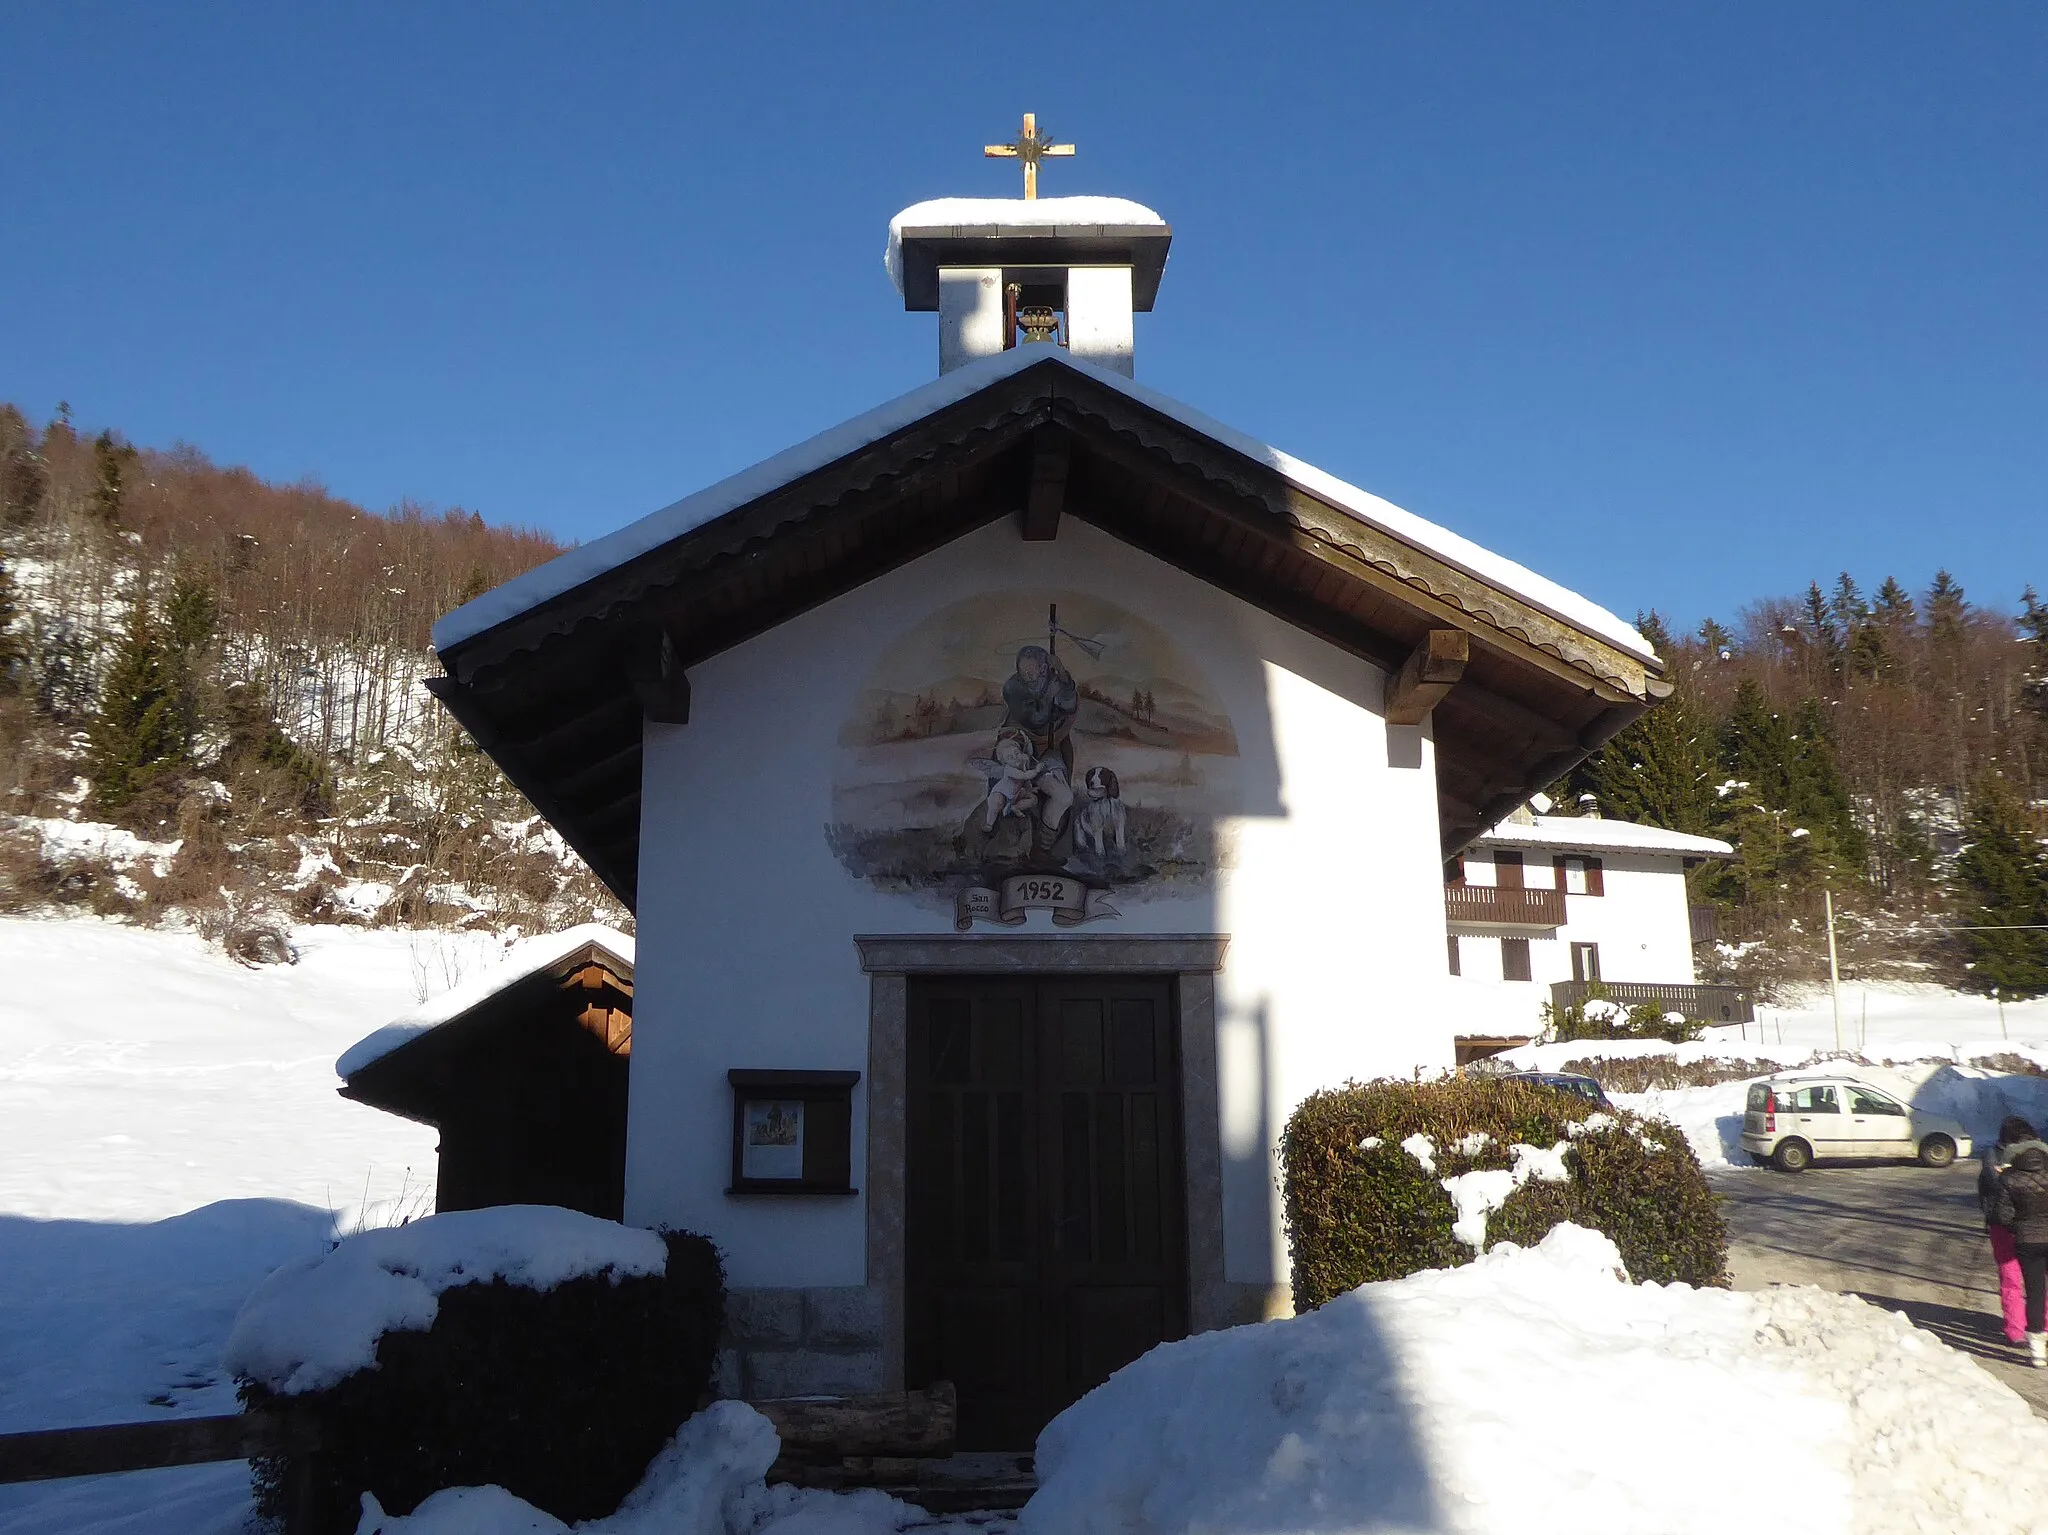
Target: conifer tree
{"points": [[1821, 628], [1659, 771], [137, 736], [112, 459], [1715, 638], [1756, 745], [190, 617], [1946, 609], [2001, 895], [1895, 608], [1818, 799], [23, 477], [13, 653], [2033, 623]]}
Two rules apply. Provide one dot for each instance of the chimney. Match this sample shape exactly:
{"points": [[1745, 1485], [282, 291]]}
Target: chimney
{"points": [[1010, 272]]}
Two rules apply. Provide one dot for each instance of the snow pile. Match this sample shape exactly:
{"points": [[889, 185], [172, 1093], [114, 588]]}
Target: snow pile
{"points": [[316, 1321], [1535, 1390], [527, 957], [95, 842], [708, 1481]]}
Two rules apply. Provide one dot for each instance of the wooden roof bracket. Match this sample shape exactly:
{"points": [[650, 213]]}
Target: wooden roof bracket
{"points": [[1051, 452], [658, 678], [1432, 669]]}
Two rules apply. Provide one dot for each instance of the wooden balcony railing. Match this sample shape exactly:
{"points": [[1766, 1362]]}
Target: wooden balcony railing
{"points": [[1706, 1004], [1497, 907]]}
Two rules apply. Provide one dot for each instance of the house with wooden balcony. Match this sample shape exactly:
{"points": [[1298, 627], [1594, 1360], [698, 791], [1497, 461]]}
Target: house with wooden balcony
{"points": [[1552, 909]]}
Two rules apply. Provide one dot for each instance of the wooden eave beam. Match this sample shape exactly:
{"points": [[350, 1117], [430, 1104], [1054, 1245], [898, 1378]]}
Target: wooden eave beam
{"points": [[658, 678], [1284, 513], [928, 453], [625, 760], [1051, 452], [1431, 670]]}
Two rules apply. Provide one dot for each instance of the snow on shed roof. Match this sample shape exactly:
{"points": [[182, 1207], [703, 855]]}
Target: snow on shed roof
{"points": [[1601, 835], [994, 213], [529, 956], [589, 561]]}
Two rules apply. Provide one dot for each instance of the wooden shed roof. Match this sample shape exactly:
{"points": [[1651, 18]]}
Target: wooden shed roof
{"points": [[419, 1077], [558, 691]]}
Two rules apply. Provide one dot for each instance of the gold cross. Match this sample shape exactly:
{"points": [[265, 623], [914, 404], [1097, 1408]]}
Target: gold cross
{"points": [[1029, 148]]}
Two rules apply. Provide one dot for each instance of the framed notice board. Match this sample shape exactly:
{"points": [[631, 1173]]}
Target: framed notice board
{"points": [[792, 1132]]}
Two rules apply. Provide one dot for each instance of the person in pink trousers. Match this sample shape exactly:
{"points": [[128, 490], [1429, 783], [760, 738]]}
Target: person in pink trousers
{"points": [[2012, 1294]]}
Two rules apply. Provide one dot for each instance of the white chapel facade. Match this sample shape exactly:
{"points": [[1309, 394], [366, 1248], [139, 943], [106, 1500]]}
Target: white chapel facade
{"points": [[1026, 792]]}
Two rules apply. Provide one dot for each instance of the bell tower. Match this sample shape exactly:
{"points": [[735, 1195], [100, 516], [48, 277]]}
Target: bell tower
{"points": [[1058, 271]]}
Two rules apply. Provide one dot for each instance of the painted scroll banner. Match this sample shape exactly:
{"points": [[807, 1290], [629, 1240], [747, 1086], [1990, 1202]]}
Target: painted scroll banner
{"points": [[1070, 902]]}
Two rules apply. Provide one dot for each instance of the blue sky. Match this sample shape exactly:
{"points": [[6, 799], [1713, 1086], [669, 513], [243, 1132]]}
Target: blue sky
{"points": [[1680, 305]]}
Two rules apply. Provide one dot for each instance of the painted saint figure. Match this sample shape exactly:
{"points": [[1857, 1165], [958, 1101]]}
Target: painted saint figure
{"points": [[1040, 699]]}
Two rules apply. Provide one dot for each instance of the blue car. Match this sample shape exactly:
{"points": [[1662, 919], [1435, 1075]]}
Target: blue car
{"points": [[1564, 1082]]}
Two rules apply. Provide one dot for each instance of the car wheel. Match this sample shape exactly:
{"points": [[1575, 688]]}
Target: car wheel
{"points": [[1792, 1157], [1937, 1151]]}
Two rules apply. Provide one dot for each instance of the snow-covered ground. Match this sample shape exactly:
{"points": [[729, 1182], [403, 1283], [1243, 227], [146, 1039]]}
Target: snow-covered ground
{"points": [[1924, 1043], [1532, 1391], [170, 1133]]}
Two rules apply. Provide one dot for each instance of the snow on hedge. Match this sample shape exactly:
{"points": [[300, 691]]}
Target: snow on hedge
{"points": [[316, 1321], [1531, 1391], [529, 956]]}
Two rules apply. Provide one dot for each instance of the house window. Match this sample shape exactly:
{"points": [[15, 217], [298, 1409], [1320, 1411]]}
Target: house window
{"points": [[1514, 959], [1457, 967], [1577, 875], [1585, 961], [1507, 870]]}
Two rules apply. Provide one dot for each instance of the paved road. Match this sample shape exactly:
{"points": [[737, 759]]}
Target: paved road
{"points": [[1904, 1237]]}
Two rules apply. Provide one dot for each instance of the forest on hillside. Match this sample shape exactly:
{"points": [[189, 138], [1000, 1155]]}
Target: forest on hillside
{"points": [[233, 667], [229, 671], [1890, 748]]}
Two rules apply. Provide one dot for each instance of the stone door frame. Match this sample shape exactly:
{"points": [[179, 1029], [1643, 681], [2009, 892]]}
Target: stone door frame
{"points": [[1191, 959]]}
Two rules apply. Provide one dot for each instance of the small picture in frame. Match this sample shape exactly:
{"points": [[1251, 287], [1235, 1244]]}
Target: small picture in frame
{"points": [[774, 1139], [792, 1132]]}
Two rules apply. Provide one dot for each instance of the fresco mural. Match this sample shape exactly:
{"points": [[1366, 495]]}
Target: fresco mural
{"points": [[1024, 751]]}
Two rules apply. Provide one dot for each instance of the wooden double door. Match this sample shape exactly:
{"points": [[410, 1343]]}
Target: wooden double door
{"points": [[1044, 1193]]}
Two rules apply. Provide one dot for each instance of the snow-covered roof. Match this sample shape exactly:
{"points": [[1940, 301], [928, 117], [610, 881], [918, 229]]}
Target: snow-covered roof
{"points": [[993, 213], [317, 1320], [1596, 834], [528, 957], [589, 561]]}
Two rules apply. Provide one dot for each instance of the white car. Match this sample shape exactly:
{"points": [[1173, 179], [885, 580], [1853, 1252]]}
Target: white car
{"points": [[1793, 1120]]}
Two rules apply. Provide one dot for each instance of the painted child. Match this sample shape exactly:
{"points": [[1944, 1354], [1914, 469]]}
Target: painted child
{"points": [[1012, 773]]}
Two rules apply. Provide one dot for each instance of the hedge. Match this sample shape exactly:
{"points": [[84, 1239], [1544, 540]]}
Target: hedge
{"points": [[561, 1396], [1361, 1208], [1597, 1016]]}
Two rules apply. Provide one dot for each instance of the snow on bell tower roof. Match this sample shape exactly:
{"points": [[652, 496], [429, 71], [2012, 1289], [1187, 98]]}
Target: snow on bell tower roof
{"points": [[1016, 231], [1000, 271]]}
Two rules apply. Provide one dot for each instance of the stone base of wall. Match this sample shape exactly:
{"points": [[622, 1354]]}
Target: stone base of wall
{"points": [[825, 1341]]}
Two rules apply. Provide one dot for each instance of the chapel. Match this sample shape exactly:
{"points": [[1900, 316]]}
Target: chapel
{"points": [[1026, 792]]}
